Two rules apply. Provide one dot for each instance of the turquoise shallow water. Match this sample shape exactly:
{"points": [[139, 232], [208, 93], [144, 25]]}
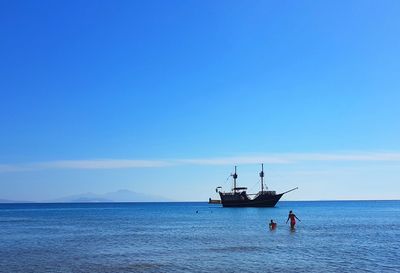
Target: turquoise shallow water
{"points": [[339, 236]]}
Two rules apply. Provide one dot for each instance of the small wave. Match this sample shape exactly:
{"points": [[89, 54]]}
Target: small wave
{"points": [[236, 249], [130, 267]]}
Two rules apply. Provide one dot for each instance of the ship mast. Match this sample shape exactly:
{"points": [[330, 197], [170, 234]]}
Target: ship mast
{"points": [[262, 178], [234, 180]]}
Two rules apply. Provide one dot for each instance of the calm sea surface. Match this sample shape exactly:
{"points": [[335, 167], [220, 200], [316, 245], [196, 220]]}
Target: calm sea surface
{"points": [[359, 236]]}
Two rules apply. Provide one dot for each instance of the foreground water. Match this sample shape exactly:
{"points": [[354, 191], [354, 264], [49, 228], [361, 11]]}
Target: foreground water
{"points": [[359, 236]]}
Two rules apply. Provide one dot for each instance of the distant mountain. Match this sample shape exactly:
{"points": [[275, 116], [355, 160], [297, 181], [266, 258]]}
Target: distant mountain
{"points": [[13, 201], [130, 196], [118, 196]]}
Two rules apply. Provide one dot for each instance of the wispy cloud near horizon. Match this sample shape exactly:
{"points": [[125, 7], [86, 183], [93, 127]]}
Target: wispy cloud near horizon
{"points": [[283, 158]]}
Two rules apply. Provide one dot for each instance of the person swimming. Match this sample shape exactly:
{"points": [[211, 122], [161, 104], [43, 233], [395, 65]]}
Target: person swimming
{"points": [[272, 225], [292, 218]]}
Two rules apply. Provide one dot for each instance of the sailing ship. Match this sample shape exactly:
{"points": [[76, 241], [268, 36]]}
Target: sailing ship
{"points": [[238, 196]]}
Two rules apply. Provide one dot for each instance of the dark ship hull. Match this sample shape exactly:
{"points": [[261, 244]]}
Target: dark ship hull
{"points": [[241, 199]]}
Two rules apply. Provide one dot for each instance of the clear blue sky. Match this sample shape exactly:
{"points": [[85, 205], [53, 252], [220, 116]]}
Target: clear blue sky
{"points": [[164, 97]]}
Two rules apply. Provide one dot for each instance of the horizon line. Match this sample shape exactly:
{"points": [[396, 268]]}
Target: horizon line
{"points": [[127, 202]]}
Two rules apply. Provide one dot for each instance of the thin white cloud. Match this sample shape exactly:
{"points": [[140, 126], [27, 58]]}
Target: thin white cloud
{"points": [[284, 158], [84, 164], [5, 168], [366, 156]]}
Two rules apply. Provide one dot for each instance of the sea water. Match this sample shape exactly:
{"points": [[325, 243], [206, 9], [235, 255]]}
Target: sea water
{"points": [[337, 236]]}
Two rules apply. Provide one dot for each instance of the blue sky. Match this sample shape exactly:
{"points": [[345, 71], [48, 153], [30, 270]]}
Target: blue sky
{"points": [[165, 97]]}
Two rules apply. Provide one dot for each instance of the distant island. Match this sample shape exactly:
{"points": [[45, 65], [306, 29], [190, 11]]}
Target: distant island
{"points": [[12, 201], [117, 196]]}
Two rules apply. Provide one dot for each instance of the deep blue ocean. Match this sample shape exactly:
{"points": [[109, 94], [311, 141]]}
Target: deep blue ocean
{"points": [[337, 236]]}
